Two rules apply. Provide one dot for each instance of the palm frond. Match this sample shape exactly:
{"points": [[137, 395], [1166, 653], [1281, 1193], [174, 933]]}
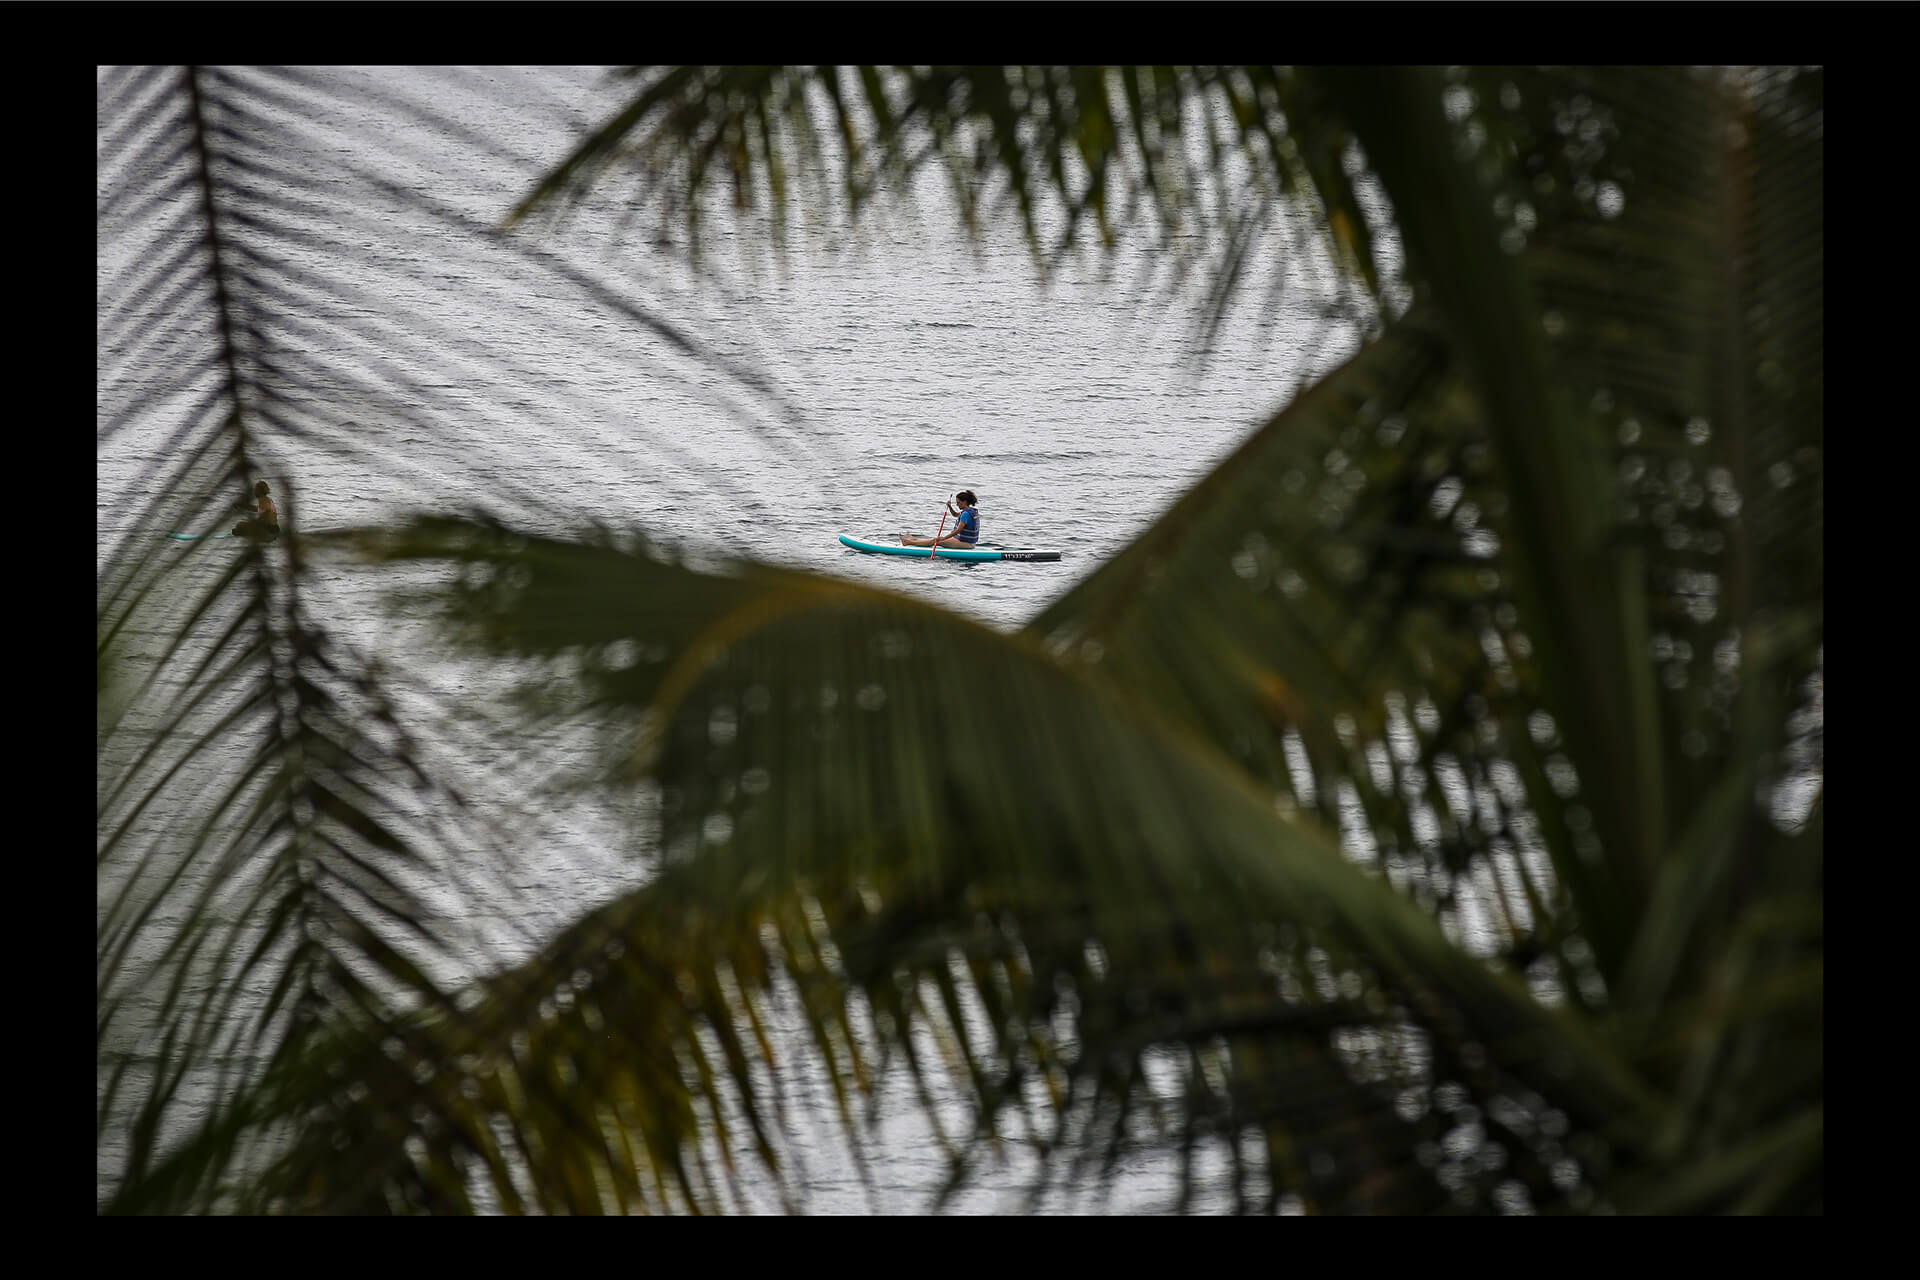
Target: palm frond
{"points": [[1409, 661], [852, 827], [275, 851], [1396, 820], [1167, 154]]}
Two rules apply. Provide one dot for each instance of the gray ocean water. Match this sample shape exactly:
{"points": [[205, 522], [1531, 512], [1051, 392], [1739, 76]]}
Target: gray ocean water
{"points": [[894, 362]]}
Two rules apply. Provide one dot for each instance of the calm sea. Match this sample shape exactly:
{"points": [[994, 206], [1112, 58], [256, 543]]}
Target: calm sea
{"points": [[897, 362]]}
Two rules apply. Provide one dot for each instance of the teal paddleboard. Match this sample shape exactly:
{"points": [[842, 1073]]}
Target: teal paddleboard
{"points": [[948, 553]]}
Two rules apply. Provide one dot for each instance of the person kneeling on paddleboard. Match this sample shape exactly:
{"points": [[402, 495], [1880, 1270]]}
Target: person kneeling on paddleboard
{"points": [[966, 528], [264, 524]]}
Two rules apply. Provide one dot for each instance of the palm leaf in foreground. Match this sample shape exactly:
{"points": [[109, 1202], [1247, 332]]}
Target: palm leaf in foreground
{"points": [[1048, 869], [254, 850], [1374, 576], [275, 854], [1062, 891], [1204, 164]]}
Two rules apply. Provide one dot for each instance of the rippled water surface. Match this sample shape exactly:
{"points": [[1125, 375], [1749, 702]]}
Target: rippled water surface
{"points": [[896, 364]]}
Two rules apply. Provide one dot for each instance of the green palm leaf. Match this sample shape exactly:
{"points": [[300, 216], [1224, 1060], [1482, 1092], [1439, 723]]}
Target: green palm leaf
{"points": [[1302, 570], [1179, 157], [849, 805], [1395, 818], [273, 847]]}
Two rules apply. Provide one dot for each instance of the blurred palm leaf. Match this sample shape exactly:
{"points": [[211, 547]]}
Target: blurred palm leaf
{"points": [[1206, 164], [1394, 816], [247, 781], [851, 775], [267, 821], [1572, 397]]}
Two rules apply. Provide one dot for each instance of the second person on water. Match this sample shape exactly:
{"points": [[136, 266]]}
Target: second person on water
{"points": [[966, 528], [264, 524]]}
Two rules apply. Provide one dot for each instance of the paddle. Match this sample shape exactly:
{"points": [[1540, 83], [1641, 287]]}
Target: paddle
{"points": [[946, 508]]}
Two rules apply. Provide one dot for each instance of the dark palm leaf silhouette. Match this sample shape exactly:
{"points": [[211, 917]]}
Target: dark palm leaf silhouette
{"points": [[1395, 816]]}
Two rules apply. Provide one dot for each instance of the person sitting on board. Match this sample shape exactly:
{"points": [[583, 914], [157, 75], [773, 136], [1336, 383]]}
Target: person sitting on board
{"points": [[966, 529], [264, 524]]}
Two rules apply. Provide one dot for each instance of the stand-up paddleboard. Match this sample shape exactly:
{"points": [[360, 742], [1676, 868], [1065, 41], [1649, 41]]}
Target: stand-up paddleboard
{"points": [[984, 552], [195, 537]]}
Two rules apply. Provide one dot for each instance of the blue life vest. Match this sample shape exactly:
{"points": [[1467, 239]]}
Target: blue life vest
{"points": [[968, 530]]}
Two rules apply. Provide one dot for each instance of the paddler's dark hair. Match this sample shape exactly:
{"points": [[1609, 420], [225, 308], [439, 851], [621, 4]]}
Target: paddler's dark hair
{"points": [[966, 496], [260, 487]]}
